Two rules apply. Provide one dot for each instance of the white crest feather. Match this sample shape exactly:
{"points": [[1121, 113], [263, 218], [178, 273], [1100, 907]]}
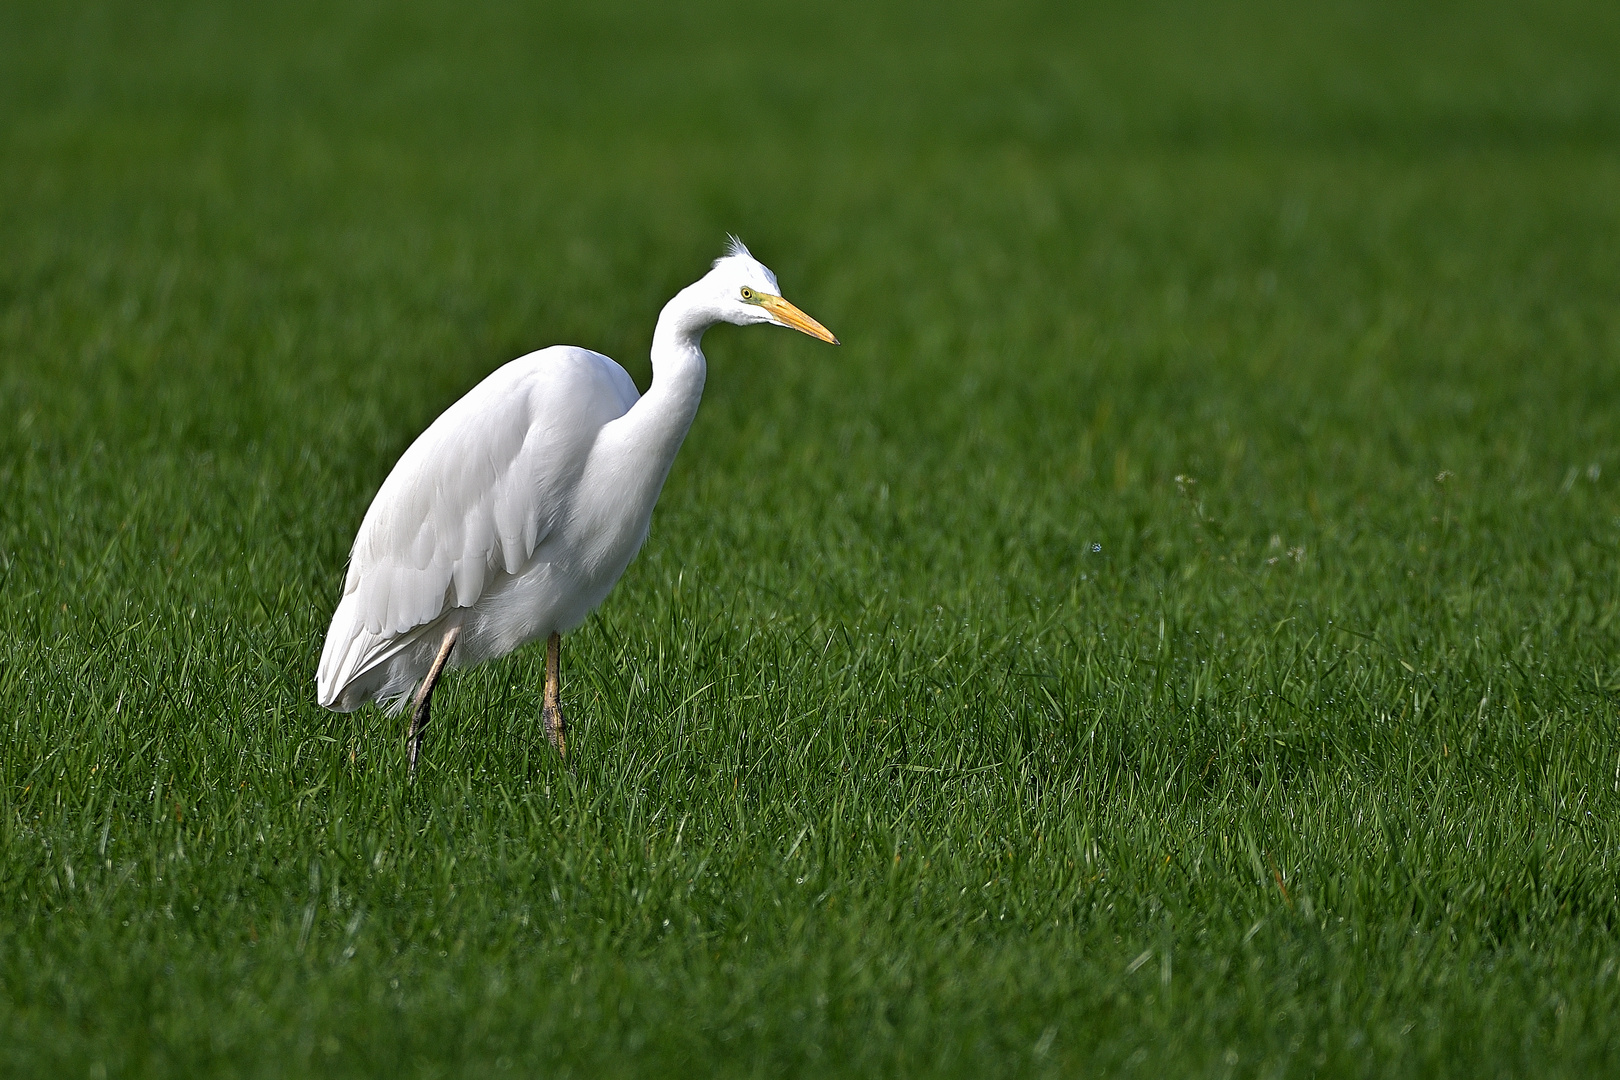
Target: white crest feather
{"points": [[734, 247]]}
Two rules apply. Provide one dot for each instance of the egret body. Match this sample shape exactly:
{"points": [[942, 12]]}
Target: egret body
{"points": [[512, 516]]}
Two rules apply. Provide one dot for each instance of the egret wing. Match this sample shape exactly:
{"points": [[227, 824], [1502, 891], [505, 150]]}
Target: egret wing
{"points": [[472, 498]]}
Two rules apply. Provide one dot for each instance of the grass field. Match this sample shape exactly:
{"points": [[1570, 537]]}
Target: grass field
{"points": [[1175, 635]]}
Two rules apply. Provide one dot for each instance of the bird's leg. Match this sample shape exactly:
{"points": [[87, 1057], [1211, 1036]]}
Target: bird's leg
{"points": [[551, 710], [424, 695]]}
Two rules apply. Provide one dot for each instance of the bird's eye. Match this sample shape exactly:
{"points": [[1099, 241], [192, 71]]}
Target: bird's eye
{"points": [[747, 293]]}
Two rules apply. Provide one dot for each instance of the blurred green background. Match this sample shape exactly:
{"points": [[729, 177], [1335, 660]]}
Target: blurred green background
{"points": [[1175, 633]]}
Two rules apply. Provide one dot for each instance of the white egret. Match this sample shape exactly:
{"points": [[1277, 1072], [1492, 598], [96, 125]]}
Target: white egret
{"points": [[512, 516]]}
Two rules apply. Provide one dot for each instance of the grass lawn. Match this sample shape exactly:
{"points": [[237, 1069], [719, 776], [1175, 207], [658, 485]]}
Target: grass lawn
{"points": [[1175, 635]]}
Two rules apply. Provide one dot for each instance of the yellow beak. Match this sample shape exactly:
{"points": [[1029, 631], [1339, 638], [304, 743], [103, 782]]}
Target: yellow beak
{"points": [[792, 316]]}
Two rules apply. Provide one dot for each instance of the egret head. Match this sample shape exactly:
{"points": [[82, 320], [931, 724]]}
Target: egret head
{"points": [[744, 291]]}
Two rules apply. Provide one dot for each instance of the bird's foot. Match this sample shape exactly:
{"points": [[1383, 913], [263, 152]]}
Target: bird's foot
{"points": [[419, 723], [556, 728]]}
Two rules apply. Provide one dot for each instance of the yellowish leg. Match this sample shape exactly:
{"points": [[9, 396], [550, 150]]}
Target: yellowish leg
{"points": [[551, 710], [424, 695]]}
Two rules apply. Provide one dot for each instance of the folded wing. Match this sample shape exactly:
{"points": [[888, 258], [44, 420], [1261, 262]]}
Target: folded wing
{"points": [[472, 498]]}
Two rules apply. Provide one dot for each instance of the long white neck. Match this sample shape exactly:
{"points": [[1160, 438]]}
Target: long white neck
{"points": [[659, 421]]}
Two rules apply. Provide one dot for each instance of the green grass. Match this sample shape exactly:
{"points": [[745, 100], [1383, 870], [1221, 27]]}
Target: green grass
{"points": [[1176, 634]]}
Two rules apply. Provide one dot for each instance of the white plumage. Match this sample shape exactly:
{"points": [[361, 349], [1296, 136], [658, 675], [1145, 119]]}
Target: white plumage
{"points": [[512, 516]]}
